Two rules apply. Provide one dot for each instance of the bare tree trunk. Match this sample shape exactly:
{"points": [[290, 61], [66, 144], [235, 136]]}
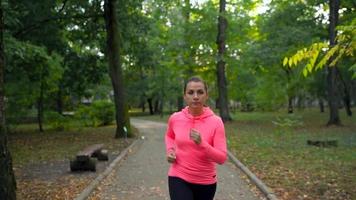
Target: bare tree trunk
{"points": [[7, 178], [290, 96], [321, 105], [346, 94], [290, 104], [59, 99], [333, 97], [40, 106], [150, 106], [123, 127], [222, 85]]}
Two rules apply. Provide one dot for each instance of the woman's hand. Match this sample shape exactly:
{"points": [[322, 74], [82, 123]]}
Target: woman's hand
{"points": [[171, 157], [195, 136]]}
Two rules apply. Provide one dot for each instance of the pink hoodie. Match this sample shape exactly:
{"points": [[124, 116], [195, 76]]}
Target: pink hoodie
{"points": [[196, 163]]}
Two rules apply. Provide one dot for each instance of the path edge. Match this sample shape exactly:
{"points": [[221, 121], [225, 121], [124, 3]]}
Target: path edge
{"points": [[268, 192], [89, 189]]}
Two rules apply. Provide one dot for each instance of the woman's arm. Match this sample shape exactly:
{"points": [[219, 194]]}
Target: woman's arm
{"points": [[217, 151]]}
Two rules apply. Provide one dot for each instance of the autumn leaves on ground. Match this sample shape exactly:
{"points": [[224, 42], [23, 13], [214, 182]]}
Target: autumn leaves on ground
{"points": [[41, 160], [272, 145]]}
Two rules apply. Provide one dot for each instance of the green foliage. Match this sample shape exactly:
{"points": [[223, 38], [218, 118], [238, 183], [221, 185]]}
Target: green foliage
{"points": [[56, 121], [269, 94], [345, 47], [99, 113], [29, 67], [83, 114], [102, 112]]}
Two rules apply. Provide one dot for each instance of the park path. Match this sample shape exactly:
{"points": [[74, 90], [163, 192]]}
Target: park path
{"points": [[143, 174]]}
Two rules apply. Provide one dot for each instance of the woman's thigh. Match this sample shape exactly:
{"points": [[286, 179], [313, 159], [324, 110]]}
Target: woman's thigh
{"points": [[204, 192], [179, 189]]}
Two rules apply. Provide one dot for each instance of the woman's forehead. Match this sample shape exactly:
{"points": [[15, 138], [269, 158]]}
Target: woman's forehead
{"points": [[195, 85]]}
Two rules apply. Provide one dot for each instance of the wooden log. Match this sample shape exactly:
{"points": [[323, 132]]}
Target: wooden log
{"points": [[325, 143], [76, 165], [103, 155]]}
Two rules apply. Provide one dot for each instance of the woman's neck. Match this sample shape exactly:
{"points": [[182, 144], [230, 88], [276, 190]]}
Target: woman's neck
{"points": [[195, 111]]}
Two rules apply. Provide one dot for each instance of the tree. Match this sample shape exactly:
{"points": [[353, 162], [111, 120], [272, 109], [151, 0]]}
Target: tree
{"points": [[7, 178], [113, 55], [338, 47], [333, 96], [220, 66]]}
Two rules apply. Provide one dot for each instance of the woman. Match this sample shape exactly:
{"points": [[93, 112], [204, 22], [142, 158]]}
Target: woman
{"points": [[195, 142]]}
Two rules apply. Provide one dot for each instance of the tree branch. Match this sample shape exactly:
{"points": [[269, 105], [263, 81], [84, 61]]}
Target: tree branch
{"points": [[40, 23]]}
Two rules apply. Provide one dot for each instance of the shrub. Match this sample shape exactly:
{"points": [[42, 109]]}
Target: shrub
{"points": [[99, 113], [55, 120], [102, 112]]}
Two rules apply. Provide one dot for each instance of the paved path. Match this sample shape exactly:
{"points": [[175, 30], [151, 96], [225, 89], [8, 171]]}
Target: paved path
{"points": [[143, 175]]}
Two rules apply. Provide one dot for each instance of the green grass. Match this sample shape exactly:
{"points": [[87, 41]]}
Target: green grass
{"points": [[28, 145], [280, 156]]}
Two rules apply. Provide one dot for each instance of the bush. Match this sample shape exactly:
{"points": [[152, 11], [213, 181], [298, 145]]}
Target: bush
{"points": [[102, 112], [55, 120], [99, 113], [83, 114]]}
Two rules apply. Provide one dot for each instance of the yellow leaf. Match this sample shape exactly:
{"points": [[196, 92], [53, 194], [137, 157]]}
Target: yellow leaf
{"points": [[285, 61], [290, 62]]}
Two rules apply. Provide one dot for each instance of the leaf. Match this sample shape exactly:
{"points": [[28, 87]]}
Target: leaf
{"points": [[285, 61], [290, 62], [305, 72], [309, 67]]}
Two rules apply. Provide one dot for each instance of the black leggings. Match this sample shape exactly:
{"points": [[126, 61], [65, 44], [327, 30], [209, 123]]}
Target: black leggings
{"points": [[179, 189]]}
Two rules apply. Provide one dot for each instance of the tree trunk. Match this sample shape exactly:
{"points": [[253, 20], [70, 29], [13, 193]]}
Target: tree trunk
{"points": [[59, 100], [290, 104], [290, 97], [143, 108], [222, 85], [321, 105], [346, 95], [180, 103], [7, 178], [40, 106], [156, 106], [123, 127], [150, 106], [332, 71]]}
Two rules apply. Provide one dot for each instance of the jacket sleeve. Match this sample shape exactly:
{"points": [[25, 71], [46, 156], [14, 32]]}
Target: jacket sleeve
{"points": [[218, 150], [169, 137]]}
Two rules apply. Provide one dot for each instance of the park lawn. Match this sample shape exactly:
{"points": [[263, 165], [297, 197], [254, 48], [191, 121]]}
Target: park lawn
{"points": [[49, 153], [280, 157], [28, 145]]}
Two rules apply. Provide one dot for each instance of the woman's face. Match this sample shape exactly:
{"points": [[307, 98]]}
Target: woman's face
{"points": [[195, 95]]}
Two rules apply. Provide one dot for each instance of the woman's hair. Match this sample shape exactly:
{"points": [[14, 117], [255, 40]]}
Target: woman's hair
{"points": [[195, 79]]}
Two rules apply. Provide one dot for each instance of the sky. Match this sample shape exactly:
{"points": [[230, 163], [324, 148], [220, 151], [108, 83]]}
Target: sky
{"points": [[261, 9]]}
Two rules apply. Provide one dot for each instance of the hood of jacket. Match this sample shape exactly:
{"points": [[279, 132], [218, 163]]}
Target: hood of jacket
{"points": [[207, 112]]}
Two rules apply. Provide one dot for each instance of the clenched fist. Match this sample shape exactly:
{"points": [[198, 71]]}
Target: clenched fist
{"points": [[195, 136], [171, 157]]}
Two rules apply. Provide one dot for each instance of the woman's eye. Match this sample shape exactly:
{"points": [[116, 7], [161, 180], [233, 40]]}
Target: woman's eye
{"points": [[200, 92], [190, 92]]}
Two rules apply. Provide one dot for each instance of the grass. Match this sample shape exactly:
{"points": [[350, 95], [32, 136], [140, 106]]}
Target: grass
{"points": [[280, 156], [27, 145], [273, 145]]}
